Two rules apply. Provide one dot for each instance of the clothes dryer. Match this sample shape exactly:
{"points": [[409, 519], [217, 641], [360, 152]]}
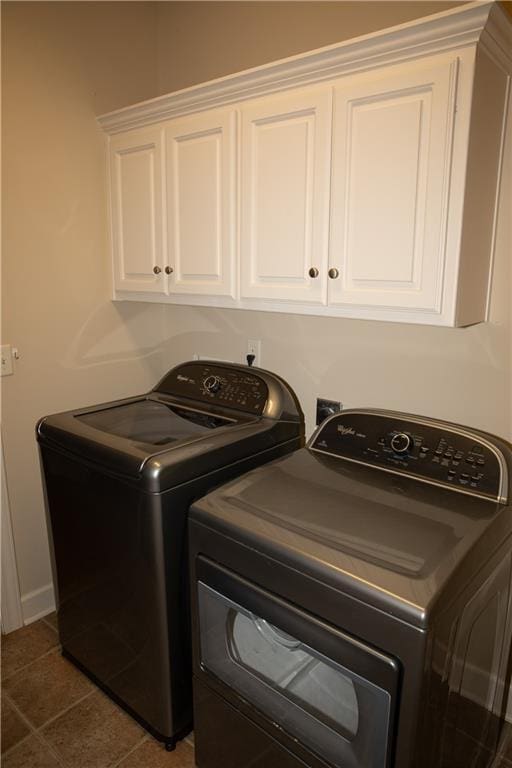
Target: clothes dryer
{"points": [[351, 602]]}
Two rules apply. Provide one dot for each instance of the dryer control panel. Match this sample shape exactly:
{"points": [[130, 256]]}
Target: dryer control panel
{"points": [[432, 451]]}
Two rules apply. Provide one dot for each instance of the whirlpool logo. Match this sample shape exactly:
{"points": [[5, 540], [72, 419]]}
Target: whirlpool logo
{"points": [[346, 430]]}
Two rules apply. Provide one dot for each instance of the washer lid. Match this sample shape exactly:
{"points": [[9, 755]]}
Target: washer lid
{"points": [[158, 444], [153, 422], [389, 540], [201, 417]]}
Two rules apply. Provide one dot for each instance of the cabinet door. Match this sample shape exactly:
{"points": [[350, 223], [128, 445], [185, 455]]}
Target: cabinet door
{"points": [[137, 202], [285, 193], [391, 164], [201, 211]]}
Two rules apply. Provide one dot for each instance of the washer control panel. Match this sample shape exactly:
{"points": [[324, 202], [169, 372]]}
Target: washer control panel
{"points": [[435, 452], [233, 388]]}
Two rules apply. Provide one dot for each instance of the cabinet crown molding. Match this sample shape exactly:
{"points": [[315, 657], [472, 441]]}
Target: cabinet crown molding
{"points": [[482, 21]]}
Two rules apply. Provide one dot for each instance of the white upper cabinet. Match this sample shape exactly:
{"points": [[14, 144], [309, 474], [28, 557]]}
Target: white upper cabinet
{"points": [[136, 180], [201, 202], [392, 147], [359, 180], [284, 199]]}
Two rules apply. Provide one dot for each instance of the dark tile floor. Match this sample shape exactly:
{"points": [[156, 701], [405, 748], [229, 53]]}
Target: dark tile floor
{"points": [[54, 717], [504, 759]]}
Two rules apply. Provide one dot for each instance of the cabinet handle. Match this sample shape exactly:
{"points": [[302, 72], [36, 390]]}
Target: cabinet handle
{"points": [[333, 273], [313, 272], [169, 270], [156, 270]]}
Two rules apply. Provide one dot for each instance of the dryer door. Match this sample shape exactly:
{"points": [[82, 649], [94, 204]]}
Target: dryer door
{"points": [[333, 693]]}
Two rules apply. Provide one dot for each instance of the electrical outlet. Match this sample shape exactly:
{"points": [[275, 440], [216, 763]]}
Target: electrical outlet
{"points": [[254, 348], [6, 359], [325, 408]]}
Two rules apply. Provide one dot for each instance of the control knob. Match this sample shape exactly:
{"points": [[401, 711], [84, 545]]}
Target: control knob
{"points": [[212, 384], [401, 442]]}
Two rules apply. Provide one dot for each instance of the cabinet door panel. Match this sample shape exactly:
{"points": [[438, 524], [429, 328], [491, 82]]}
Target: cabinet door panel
{"points": [[285, 192], [136, 178], [391, 163], [201, 203]]}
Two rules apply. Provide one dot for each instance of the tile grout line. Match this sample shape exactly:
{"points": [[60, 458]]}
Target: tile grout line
{"points": [[64, 711], [25, 666], [144, 738], [49, 624], [51, 749], [18, 743], [32, 732], [38, 732]]}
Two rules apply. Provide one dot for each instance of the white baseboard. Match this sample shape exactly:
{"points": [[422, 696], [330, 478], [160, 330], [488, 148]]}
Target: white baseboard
{"points": [[36, 604], [12, 617]]}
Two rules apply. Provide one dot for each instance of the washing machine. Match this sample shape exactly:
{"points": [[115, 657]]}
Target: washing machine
{"points": [[351, 602], [119, 478]]}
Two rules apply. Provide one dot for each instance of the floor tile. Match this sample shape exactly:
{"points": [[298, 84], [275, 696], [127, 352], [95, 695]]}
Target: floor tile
{"points": [[152, 754], [47, 687], [94, 733], [51, 619], [506, 743], [504, 759], [26, 645], [30, 754], [13, 727]]}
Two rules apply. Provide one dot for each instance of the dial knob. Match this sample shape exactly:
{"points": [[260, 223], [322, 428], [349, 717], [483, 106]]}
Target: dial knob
{"points": [[212, 384], [401, 442]]}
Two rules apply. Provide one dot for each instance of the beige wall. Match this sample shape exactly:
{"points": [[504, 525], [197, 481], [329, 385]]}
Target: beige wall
{"points": [[62, 63], [200, 41]]}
